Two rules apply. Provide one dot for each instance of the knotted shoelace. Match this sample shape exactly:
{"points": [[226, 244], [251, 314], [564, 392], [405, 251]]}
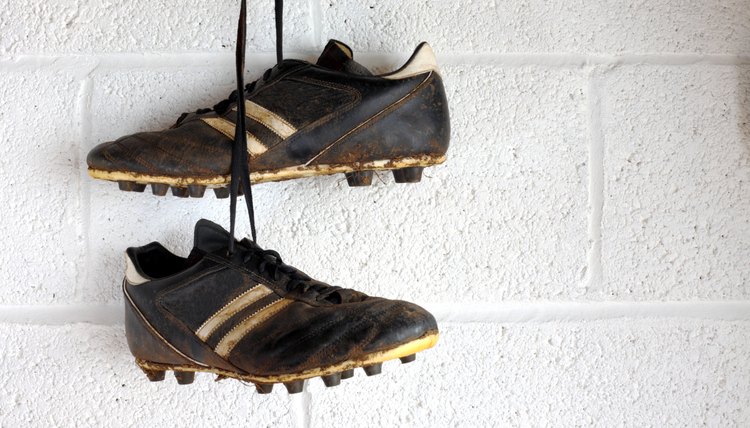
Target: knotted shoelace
{"points": [[270, 263]]}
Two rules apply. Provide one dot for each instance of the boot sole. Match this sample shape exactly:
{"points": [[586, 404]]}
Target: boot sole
{"points": [[405, 170], [294, 382]]}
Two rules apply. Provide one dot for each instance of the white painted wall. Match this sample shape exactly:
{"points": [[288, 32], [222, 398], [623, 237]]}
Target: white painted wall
{"points": [[585, 247]]}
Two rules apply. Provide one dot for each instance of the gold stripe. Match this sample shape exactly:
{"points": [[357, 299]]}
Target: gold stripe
{"points": [[254, 146], [269, 119], [233, 337], [230, 309]]}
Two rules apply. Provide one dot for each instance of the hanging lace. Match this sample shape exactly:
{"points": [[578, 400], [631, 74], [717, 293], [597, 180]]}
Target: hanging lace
{"points": [[240, 167]]}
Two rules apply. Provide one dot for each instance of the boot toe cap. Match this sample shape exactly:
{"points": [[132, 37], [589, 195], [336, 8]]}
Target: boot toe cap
{"points": [[102, 157], [404, 323], [120, 155]]}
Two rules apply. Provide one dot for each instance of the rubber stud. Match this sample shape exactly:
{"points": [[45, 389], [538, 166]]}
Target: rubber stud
{"points": [[408, 175], [196, 190], [154, 375], [374, 369], [264, 388], [332, 379], [221, 192], [180, 192], [295, 387], [184, 378], [408, 358], [130, 186], [359, 179], [159, 189], [347, 374]]}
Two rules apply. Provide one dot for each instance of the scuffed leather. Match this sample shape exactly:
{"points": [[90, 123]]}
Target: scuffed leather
{"points": [[144, 343], [312, 336], [193, 149], [367, 117], [146, 298], [411, 130], [307, 334]]}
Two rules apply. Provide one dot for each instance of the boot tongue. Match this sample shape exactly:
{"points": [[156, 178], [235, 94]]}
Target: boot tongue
{"points": [[339, 57], [209, 236]]}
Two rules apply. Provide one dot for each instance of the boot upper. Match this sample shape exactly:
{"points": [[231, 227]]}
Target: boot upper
{"points": [[253, 314], [334, 112]]}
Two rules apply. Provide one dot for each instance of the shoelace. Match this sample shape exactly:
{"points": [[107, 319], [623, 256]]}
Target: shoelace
{"points": [[240, 171], [222, 106], [271, 263], [240, 168], [270, 260]]}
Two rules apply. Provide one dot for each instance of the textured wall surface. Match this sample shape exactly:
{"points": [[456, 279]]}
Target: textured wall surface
{"points": [[585, 248]]}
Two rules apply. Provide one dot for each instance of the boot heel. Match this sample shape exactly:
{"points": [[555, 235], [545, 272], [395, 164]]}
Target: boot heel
{"points": [[359, 179], [146, 346], [408, 175]]}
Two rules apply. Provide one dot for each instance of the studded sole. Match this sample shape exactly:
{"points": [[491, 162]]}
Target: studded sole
{"points": [[331, 375], [405, 170]]}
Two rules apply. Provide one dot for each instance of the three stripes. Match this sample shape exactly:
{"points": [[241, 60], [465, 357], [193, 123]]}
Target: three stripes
{"points": [[231, 338], [210, 330], [262, 115]]}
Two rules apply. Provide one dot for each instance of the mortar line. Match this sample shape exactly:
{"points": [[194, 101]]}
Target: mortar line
{"points": [[84, 115], [578, 60], [169, 60], [519, 312], [596, 183], [316, 14], [501, 312]]}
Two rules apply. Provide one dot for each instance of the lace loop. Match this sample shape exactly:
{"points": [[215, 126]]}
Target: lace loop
{"points": [[222, 106], [270, 263]]}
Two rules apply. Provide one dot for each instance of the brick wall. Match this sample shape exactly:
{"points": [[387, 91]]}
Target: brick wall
{"points": [[585, 248]]}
